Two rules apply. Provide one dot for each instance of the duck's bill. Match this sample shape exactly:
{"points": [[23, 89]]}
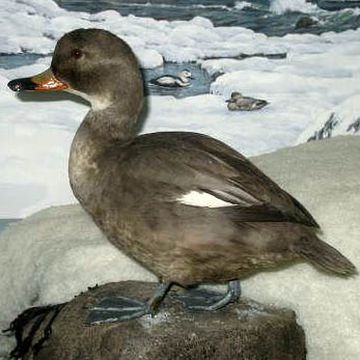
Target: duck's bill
{"points": [[44, 81]]}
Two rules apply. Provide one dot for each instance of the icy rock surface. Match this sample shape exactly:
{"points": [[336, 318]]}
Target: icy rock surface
{"points": [[176, 332], [57, 253]]}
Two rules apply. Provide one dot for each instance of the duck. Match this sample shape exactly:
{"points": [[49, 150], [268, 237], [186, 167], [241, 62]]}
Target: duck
{"points": [[238, 102], [184, 205], [170, 81]]}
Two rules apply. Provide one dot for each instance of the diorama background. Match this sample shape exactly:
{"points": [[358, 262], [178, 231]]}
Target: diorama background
{"points": [[309, 75]]}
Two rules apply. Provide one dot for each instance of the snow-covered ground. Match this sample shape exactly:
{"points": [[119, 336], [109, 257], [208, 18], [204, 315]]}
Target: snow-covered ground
{"points": [[320, 76], [54, 254]]}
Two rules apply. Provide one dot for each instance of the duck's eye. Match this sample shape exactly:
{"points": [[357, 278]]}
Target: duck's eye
{"points": [[77, 53]]}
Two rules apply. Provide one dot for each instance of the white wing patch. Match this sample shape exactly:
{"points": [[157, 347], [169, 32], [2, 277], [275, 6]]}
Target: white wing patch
{"points": [[203, 199]]}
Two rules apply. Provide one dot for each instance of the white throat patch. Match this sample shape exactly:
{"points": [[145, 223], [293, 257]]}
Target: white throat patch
{"points": [[96, 102], [203, 199]]}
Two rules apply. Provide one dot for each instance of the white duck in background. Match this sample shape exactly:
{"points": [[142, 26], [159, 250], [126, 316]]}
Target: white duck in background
{"points": [[182, 80]]}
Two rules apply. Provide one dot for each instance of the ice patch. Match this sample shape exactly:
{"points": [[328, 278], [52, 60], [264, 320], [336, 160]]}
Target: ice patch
{"points": [[245, 314], [149, 321], [242, 5]]}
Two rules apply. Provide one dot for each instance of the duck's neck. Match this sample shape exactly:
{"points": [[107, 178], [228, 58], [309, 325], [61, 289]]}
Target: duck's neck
{"points": [[184, 79], [117, 122], [99, 131]]}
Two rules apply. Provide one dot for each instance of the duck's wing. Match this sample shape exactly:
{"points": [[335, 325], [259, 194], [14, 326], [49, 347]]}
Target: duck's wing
{"points": [[180, 165]]}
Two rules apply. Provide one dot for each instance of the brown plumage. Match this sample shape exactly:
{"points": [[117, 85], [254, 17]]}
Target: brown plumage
{"points": [[132, 185], [239, 102]]}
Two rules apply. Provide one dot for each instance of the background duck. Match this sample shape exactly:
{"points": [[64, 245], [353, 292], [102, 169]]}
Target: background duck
{"points": [[244, 103], [184, 205], [182, 80]]}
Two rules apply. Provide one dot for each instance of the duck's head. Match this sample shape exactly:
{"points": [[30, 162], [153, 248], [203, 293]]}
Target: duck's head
{"points": [[94, 64], [234, 96], [185, 74]]}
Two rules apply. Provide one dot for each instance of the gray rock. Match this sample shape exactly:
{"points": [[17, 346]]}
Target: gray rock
{"points": [[305, 22], [327, 130], [246, 330]]}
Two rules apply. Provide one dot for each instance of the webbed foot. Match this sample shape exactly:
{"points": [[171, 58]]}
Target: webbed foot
{"points": [[207, 300], [122, 308], [116, 309]]}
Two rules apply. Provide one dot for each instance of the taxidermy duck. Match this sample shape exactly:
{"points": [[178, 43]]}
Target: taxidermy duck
{"points": [[182, 80], [238, 102], [186, 206]]}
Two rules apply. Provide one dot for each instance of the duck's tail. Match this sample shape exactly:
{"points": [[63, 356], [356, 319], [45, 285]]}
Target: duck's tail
{"points": [[259, 104], [322, 254]]}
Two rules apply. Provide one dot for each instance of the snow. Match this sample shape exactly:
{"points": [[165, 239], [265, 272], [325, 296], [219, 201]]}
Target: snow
{"points": [[35, 140], [62, 252], [28, 26], [242, 5], [34, 26], [346, 116]]}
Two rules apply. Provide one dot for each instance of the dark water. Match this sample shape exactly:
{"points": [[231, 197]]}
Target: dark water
{"points": [[333, 5], [255, 16], [200, 84], [10, 61]]}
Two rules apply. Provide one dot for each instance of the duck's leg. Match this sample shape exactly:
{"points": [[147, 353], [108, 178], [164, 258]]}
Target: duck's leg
{"points": [[122, 308], [201, 299]]}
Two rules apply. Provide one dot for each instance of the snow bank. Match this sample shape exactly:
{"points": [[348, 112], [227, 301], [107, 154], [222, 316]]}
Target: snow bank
{"points": [[62, 252]]}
